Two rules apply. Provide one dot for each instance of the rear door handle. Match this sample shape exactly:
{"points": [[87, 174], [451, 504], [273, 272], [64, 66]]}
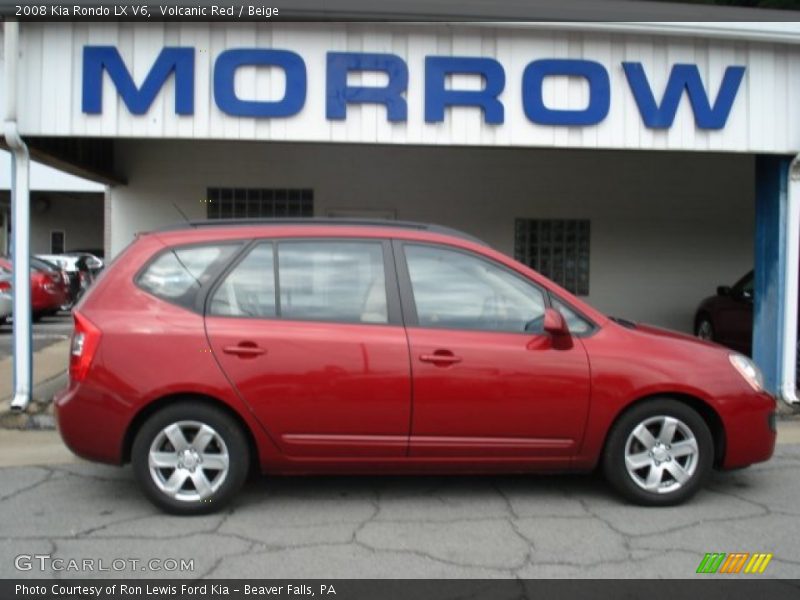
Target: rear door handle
{"points": [[440, 358], [244, 350]]}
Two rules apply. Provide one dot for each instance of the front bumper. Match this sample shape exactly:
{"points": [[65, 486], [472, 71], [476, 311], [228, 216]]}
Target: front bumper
{"points": [[750, 432]]}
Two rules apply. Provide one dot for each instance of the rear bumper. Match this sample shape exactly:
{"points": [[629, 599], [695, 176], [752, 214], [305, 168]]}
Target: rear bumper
{"points": [[750, 432], [89, 424]]}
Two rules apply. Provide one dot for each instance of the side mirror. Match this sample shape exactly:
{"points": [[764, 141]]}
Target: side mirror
{"points": [[554, 323], [724, 290]]}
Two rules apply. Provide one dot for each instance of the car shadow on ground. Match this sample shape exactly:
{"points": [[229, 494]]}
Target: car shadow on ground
{"points": [[543, 487], [419, 485]]}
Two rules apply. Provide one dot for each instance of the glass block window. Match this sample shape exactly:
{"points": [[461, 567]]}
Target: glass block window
{"points": [[259, 203], [556, 248]]}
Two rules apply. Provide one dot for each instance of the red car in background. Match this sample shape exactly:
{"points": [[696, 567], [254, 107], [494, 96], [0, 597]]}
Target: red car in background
{"points": [[49, 287], [340, 347], [6, 301]]}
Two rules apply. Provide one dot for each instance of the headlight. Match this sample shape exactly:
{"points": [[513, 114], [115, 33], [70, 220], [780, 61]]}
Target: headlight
{"points": [[748, 370]]}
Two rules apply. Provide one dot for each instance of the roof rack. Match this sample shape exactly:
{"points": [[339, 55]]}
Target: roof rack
{"points": [[433, 228]]}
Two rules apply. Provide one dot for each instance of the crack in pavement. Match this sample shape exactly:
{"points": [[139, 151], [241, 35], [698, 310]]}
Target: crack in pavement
{"points": [[49, 474], [512, 521]]}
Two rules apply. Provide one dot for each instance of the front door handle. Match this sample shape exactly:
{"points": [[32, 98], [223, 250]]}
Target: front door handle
{"points": [[440, 358], [244, 350]]}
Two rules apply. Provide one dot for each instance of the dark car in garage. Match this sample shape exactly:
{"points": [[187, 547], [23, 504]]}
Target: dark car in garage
{"points": [[727, 317]]}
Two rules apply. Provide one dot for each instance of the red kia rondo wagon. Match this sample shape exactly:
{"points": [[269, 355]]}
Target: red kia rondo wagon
{"points": [[323, 346]]}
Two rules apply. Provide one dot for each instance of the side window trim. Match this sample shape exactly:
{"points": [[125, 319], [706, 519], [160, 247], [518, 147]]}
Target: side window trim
{"points": [[393, 300], [276, 276], [409, 305]]}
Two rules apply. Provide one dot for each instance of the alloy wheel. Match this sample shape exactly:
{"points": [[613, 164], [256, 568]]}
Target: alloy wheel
{"points": [[188, 461], [661, 454]]}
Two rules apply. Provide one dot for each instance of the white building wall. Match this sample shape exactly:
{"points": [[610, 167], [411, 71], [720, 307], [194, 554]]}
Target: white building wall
{"points": [[666, 228], [763, 119], [80, 217]]}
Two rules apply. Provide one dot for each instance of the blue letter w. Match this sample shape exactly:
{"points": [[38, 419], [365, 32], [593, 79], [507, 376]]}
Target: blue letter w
{"points": [[137, 99], [683, 77]]}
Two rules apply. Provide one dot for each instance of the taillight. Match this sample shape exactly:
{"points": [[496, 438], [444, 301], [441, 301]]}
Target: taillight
{"points": [[85, 339], [5, 287]]}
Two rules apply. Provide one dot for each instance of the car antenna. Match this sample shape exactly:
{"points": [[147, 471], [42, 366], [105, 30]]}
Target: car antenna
{"points": [[183, 214]]}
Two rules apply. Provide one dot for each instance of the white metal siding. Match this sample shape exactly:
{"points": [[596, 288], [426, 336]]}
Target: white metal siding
{"points": [[763, 119]]}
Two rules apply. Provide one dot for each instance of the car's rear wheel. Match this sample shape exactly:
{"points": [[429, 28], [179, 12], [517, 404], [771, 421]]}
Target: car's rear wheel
{"points": [[659, 453], [190, 458], [704, 329]]}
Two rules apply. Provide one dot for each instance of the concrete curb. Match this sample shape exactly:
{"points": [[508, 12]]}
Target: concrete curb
{"points": [[49, 374]]}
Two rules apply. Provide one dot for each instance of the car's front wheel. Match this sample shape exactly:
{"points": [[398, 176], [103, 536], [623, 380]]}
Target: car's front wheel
{"points": [[659, 453], [190, 458]]}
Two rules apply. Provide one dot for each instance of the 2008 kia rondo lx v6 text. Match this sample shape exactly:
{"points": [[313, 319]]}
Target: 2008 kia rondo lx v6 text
{"points": [[354, 347]]}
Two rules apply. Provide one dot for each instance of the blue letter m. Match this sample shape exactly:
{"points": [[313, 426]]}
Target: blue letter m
{"points": [[137, 99], [683, 77]]}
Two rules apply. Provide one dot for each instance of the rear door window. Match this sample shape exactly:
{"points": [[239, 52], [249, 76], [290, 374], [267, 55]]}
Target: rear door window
{"points": [[332, 281], [177, 274], [249, 289]]}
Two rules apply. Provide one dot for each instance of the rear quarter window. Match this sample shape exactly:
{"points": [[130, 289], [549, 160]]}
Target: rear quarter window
{"points": [[177, 274]]}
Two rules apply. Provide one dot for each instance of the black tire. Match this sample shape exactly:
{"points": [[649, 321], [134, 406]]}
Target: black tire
{"points": [[37, 316], [614, 459], [224, 425]]}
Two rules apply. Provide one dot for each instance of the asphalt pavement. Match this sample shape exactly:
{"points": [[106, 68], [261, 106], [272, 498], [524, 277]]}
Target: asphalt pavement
{"points": [[45, 333], [562, 526]]}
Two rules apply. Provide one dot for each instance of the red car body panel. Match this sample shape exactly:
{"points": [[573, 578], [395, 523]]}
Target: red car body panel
{"points": [[510, 396], [705, 375], [351, 398], [322, 389]]}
